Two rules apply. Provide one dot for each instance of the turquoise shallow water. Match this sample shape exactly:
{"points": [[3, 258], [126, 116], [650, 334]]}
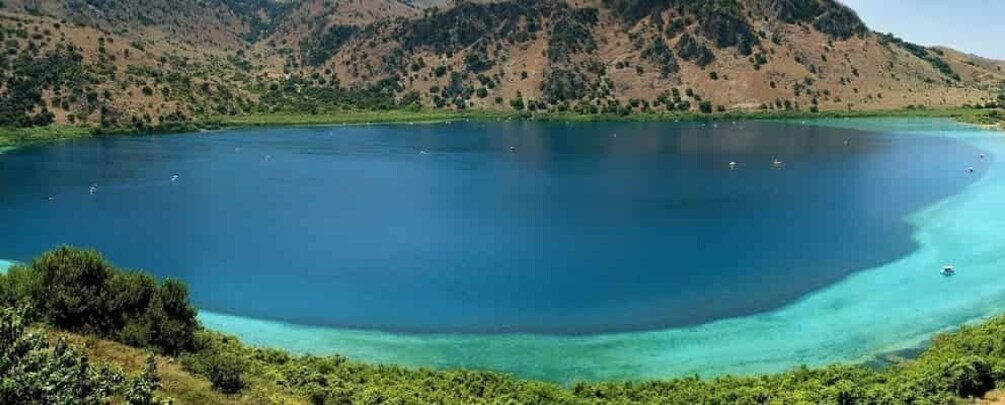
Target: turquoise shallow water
{"points": [[896, 306]]}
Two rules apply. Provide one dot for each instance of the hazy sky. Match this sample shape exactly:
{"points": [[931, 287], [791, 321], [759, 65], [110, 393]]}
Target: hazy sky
{"points": [[974, 26]]}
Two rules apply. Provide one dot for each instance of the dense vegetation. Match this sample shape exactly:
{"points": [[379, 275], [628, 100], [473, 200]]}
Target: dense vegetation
{"points": [[77, 290], [34, 372], [27, 77], [963, 364]]}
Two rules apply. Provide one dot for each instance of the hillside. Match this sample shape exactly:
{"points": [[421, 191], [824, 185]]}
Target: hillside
{"points": [[137, 64]]}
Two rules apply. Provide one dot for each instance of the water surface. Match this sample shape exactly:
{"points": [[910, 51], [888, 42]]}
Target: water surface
{"points": [[443, 229], [583, 228]]}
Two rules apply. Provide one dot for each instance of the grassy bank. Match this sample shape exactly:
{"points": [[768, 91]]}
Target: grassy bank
{"points": [[402, 116], [116, 319], [355, 117], [992, 118], [10, 137]]}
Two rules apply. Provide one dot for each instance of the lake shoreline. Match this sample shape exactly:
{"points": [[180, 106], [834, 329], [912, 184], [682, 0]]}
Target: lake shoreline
{"points": [[18, 137]]}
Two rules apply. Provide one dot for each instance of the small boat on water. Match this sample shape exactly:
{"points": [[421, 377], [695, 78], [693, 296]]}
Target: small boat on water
{"points": [[948, 271], [512, 148], [732, 165], [776, 163], [174, 178]]}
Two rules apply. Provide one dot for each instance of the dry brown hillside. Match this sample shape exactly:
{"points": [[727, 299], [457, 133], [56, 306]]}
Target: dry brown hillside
{"points": [[737, 55], [143, 62]]}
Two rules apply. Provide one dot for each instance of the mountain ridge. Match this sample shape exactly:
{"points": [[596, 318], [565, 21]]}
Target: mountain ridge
{"points": [[143, 62]]}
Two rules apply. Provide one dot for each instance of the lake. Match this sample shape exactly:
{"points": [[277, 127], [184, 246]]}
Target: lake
{"points": [[543, 229]]}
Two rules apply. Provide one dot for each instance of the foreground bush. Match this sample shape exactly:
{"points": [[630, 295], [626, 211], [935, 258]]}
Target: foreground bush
{"points": [[78, 290], [224, 368], [31, 372]]}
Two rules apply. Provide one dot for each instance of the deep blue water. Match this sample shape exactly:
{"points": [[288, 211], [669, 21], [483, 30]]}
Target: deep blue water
{"points": [[443, 228]]}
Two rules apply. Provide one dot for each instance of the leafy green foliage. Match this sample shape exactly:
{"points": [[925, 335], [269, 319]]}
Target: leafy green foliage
{"points": [[141, 387], [32, 372], [224, 368], [77, 290]]}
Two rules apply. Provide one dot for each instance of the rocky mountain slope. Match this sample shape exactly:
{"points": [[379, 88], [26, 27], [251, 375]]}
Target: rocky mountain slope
{"points": [[142, 62]]}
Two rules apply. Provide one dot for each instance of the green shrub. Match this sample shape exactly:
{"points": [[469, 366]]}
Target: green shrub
{"points": [[141, 388], [221, 365], [31, 372], [78, 290], [705, 107]]}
